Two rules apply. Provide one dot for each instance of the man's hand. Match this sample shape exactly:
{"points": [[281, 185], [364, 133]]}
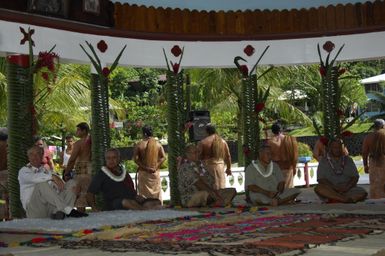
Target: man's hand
{"points": [[272, 194], [228, 172], [59, 182], [151, 169]]}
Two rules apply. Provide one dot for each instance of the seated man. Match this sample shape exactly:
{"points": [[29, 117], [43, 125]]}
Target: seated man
{"points": [[196, 184], [117, 187], [337, 176], [264, 181], [44, 194]]}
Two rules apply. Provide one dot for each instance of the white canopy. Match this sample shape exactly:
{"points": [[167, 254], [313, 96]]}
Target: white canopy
{"points": [[373, 79]]}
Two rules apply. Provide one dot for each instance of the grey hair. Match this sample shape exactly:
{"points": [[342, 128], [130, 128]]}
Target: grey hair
{"points": [[35, 149], [115, 150]]}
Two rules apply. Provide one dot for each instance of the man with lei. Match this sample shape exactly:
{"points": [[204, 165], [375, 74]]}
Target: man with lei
{"points": [[264, 181], [117, 187], [337, 176]]}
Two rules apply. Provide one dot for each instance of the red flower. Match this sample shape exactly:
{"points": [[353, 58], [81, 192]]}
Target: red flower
{"points": [[45, 76], [259, 107], [341, 71], [176, 51], [175, 68], [249, 50], [106, 71], [322, 71], [246, 150], [328, 46], [87, 231], [47, 59], [21, 60], [188, 125], [102, 46], [347, 134], [340, 112], [244, 70], [324, 140], [27, 36]]}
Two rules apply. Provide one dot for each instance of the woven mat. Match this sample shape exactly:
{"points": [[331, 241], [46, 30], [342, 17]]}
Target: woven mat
{"points": [[246, 233]]}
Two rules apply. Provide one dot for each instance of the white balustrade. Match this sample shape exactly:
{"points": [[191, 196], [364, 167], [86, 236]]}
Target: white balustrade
{"points": [[304, 176]]}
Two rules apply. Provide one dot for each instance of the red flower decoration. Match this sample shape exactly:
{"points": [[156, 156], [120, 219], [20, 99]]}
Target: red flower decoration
{"points": [[175, 68], [347, 134], [324, 140], [328, 46], [45, 76], [249, 50], [340, 112], [21, 60], [47, 59], [106, 71], [341, 71], [246, 150], [27, 36], [322, 71], [259, 107], [244, 70], [176, 51], [102, 46]]}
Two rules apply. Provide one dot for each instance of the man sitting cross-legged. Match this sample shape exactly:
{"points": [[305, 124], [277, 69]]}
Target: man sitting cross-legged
{"points": [[196, 185], [44, 194], [337, 176], [117, 187], [264, 181]]}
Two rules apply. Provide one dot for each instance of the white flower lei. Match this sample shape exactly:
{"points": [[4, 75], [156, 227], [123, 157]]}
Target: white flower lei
{"points": [[269, 169], [114, 177]]}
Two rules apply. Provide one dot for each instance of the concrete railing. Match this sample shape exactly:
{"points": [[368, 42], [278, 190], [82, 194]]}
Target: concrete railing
{"points": [[306, 175]]}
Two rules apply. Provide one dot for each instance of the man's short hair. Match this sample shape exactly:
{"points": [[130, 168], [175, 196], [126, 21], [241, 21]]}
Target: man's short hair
{"points": [[147, 131], [114, 150], [378, 123], [69, 136], [263, 145], [36, 138], [35, 149], [3, 136], [210, 129], [84, 127], [276, 128]]}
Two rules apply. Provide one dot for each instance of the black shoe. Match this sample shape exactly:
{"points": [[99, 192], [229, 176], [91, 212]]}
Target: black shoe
{"points": [[76, 214], [59, 215]]}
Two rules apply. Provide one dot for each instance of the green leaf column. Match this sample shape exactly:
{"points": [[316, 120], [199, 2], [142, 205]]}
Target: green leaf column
{"points": [[20, 114], [175, 125], [100, 132]]}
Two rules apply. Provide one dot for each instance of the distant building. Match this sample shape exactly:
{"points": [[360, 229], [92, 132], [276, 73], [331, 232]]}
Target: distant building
{"points": [[372, 85]]}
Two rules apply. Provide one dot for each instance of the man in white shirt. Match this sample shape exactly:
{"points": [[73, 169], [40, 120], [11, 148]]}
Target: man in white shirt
{"points": [[44, 194]]}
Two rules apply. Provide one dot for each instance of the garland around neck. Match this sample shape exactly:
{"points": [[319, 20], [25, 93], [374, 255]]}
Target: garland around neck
{"points": [[114, 177], [269, 169]]}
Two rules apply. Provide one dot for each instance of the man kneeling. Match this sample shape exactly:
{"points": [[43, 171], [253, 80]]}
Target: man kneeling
{"points": [[337, 177], [196, 184], [264, 181], [117, 187]]}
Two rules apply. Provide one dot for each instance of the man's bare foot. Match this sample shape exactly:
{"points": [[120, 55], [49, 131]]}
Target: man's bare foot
{"points": [[274, 202]]}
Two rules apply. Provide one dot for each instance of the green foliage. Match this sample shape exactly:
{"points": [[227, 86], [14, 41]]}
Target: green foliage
{"points": [[130, 166], [304, 149]]}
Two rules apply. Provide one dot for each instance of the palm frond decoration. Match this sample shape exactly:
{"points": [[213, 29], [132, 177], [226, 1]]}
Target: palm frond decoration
{"points": [[252, 103], [176, 119], [100, 131]]}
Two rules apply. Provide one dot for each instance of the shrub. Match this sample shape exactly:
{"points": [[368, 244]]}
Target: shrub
{"points": [[304, 149]]}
